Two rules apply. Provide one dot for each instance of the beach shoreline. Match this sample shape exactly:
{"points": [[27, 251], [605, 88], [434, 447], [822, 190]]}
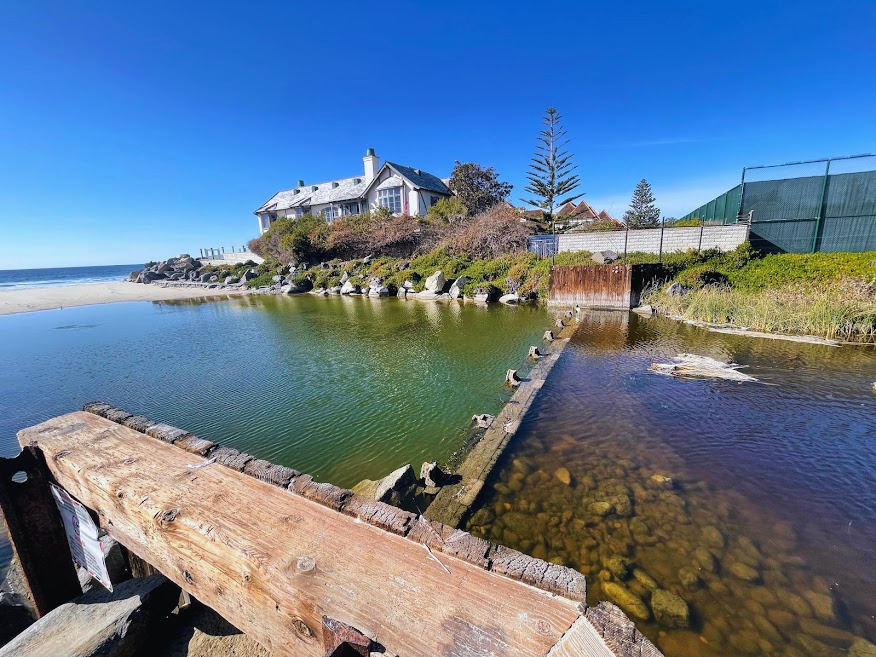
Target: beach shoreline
{"points": [[87, 294]]}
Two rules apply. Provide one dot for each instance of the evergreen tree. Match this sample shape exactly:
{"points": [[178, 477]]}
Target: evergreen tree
{"points": [[642, 213], [478, 188], [551, 174]]}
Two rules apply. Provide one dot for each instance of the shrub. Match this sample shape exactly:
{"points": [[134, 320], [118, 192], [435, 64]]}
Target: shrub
{"points": [[447, 211], [491, 234]]}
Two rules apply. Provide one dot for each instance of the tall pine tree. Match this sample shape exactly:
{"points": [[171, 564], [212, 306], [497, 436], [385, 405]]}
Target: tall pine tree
{"points": [[551, 174], [642, 213]]}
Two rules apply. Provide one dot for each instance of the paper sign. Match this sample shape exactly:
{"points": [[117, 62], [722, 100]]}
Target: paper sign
{"points": [[82, 537]]}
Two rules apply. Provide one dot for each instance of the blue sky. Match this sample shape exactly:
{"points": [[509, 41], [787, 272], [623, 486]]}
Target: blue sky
{"points": [[132, 131]]}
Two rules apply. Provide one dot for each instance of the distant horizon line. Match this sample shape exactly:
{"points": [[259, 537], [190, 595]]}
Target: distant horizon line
{"points": [[122, 264]]}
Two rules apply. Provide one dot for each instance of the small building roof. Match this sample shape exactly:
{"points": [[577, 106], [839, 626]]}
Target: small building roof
{"points": [[348, 189]]}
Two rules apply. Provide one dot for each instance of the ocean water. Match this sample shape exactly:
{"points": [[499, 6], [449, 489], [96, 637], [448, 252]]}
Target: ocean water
{"points": [[22, 279]]}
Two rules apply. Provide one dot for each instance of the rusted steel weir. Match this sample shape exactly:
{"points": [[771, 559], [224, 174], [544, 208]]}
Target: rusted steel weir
{"points": [[279, 555], [612, 287]]}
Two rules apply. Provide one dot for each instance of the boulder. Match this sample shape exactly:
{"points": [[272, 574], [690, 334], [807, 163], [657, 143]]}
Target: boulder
{"points": [[248, 275], [483, 420], [163, 268], [349, 287], [398, 481], [669, 609], [604, 257], [335, 289], [432, 475], [435, 283], [509, 299], [618, 566], [150, 276], [367, 259], [600, 509], [408, 285], [99, 623], [512, 378], [175, 276], [345, 278], [534, 352], [548, 336], [402, 292], [232, 280], [378, 291], [277, 279], [456, 287], [676, 290], [660, 481]]}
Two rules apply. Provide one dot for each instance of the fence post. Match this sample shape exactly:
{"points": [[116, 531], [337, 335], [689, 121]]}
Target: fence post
{"points": [[702, 228], [818, 217], [662, 227], [626, 238], [741, 195]]}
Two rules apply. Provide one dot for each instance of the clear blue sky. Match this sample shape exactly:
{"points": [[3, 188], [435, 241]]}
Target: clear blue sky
{"points": [[134, 131]]}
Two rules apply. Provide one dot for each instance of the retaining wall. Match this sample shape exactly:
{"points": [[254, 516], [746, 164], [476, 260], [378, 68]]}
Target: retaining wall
{"points": [[647, 240]]}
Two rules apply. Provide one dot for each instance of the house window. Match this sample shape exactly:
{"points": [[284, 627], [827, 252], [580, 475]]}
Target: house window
{"points": [[272, 217], [348, 209], [300, 212], [390, 199], [433, 200], [331, 213]]}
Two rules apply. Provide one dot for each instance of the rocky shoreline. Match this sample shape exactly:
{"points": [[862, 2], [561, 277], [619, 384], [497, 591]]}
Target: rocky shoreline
{"points": [[187, 272]]}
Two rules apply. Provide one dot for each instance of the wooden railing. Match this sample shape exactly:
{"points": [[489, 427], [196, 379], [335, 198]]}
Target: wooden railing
{"points": [[304, 568]]}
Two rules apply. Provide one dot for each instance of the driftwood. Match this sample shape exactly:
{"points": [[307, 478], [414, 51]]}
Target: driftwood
{"points": [[691, 366]]}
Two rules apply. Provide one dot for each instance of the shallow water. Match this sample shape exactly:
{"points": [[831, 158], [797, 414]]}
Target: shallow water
{"points": [[767, 529], [341, 388]]}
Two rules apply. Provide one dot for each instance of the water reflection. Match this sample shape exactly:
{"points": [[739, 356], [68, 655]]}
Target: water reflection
{"points": [[726, 518]]}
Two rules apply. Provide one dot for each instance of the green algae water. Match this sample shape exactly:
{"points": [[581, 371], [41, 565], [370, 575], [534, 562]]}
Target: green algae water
{"points": [[725, 518], [341, 388]]}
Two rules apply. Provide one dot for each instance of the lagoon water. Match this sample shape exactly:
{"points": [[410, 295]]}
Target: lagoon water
{"points": [[767, 531], [341, 388], [768, 527]]}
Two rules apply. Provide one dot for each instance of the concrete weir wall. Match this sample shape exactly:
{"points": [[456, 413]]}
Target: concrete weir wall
{"points": [[612, 287], [647, 240]]}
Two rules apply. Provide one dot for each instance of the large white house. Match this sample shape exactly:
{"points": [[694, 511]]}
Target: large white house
{"points": [[400, 189]]}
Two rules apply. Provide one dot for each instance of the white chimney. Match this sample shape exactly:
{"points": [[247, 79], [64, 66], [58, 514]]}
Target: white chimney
{"points": [[372, 165]]}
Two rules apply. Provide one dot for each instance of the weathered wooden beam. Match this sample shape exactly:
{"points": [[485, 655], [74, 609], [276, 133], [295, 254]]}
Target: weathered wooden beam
{"points": [[275, 561], [36, 533]]}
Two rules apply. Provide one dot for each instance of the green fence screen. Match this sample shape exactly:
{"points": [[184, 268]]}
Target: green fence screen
{"points": [[834, 210]]}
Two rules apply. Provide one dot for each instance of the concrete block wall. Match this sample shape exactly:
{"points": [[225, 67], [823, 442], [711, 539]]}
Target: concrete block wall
{"points": [[647, 240]]}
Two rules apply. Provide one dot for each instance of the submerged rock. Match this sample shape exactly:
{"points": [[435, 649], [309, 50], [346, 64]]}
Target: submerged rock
{"points": [[618, 566], [626, 600], [509, 299], [562, 474], [744, 571], [669, 609]]}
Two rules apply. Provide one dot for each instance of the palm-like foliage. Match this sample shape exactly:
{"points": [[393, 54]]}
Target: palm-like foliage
{"points": [[551, 174]]}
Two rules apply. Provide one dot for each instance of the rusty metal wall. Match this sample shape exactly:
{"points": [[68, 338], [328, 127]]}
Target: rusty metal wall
{"points": [[615, 287]]}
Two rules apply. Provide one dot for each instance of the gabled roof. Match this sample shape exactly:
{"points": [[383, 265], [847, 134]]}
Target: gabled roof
{"points": [[348, 189], [567, 209], [416, 177], [604, 216], [584, 211]]}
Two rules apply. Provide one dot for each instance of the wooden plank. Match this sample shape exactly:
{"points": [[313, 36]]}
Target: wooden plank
{"points": [[581, 640], [273, 563]]}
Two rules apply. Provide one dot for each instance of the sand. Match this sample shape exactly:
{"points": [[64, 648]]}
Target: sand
{"points": [[65, 296]]}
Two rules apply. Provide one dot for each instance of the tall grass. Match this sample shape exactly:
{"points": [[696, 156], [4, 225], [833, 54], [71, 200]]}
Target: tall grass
{"points": [[826, 311]]}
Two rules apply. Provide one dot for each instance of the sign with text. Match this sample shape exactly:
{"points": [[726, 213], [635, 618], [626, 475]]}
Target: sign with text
{"points": [[82, 536]]}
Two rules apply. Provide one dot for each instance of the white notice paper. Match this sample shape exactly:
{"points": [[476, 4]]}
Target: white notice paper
{"points": [[82, 536]]}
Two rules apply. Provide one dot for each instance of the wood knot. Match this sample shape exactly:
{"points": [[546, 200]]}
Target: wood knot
{"points": [[306, 563], [303, 630], [187, 576], [168, 516]]}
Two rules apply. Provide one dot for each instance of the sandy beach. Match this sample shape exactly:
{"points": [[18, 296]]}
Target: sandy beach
{"points": [[65, 296]]}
